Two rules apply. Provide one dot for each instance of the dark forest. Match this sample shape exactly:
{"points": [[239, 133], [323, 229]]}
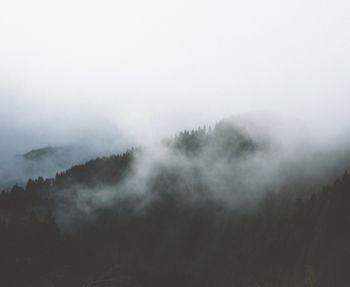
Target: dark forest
{"points": [[174, 230]]}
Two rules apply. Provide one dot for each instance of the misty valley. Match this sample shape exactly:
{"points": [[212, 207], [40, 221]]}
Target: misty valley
{"points": [[224, 206]]}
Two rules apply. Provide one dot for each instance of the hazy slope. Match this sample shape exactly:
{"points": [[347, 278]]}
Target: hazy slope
{"points": [[211, 207]]}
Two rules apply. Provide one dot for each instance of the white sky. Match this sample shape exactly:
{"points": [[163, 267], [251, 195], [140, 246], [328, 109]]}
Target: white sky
{"points": [[73, 69]]}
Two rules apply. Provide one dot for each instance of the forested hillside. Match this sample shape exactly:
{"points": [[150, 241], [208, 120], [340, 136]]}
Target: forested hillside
{"points": [[197, 212]]}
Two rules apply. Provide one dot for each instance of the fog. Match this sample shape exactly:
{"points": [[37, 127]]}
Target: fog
{"points": [[235, 167], [114, 74]]}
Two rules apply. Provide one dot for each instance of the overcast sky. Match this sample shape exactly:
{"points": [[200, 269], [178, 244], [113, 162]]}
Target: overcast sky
{"points": [[72, 69]]}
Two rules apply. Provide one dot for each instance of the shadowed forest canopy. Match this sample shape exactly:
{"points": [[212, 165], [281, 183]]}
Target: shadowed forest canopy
{"points": [[207, 207]]}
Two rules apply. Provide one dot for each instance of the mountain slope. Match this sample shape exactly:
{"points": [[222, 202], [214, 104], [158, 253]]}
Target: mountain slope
{"points": [[204, 208]]}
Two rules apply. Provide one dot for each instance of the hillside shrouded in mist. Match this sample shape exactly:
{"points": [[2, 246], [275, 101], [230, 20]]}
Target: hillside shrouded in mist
{"points": [[232, 205], [174, 143]]}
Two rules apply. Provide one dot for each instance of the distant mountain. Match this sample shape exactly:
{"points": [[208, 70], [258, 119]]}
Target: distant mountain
{"points": [[45, 161], [56, 157], [47, 152]]}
